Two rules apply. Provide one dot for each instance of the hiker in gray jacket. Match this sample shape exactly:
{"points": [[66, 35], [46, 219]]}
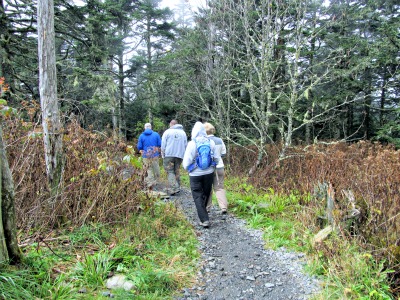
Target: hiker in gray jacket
{"points": [[173, 145]]}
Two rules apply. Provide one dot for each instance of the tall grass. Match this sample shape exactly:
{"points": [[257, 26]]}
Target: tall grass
{"points": [[370, 171], [156, 251], [347, 270], [351, 273]]}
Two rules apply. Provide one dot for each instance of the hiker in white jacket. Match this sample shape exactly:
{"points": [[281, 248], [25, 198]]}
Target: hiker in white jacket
{"points": [[200, 179]]}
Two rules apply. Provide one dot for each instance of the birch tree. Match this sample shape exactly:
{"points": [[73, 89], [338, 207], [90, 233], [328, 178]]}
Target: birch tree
{"points": [[52, 130], [258, 64]]}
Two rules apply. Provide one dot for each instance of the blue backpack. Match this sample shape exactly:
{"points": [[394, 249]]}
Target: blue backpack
{"points": [[204, 155]]}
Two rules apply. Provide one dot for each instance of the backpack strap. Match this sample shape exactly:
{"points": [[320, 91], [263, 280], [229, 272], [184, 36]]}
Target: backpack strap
{"points": [[193, 165]]}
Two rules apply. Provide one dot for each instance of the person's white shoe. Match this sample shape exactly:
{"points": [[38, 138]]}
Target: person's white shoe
{"points": [[205, 224]]}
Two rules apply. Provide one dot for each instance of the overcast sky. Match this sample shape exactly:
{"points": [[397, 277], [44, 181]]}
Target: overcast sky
{"points": [[193, 3]]}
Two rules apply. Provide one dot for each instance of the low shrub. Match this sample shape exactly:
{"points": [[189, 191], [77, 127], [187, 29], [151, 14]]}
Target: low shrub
{"points": [[102, 182], [369, 171]]}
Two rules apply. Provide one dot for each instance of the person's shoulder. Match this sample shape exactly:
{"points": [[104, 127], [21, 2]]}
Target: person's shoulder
{"points": [[220, 140], [165, 133], [217, 140]]}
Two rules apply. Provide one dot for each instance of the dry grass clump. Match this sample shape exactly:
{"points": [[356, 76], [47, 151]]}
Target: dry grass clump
{"points": [[370, 171], [98, 184]]}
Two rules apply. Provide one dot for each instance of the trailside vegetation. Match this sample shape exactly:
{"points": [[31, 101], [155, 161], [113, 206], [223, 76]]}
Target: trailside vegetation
{"points": [[287, 198], [102, 225], [305, 94], [361, 181]]}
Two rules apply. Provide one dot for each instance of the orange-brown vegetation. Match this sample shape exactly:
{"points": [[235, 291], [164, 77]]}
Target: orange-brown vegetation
{"points": [[98, 185], [370, 171]]}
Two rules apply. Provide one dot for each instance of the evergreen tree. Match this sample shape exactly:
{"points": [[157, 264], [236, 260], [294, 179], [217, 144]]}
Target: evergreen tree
{"points": [[156, 34]]}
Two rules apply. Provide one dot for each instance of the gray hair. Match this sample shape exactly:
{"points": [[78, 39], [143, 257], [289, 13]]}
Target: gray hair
{"points": [[147, 126]]}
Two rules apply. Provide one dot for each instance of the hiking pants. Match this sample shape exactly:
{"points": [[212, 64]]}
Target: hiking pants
{"points": [[172, 166], [218, 187], [201, 189], [153, 170]]}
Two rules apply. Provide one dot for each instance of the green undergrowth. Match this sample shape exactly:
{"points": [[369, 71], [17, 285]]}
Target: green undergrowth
{"points": [[346, 270], [156, 251]]}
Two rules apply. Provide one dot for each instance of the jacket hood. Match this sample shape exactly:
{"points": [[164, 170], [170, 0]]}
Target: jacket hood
{"points": [[177, 126], [148, 131], [198, 130]]}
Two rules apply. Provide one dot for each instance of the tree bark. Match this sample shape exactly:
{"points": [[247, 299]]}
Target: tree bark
{"points": [[367, 107], [3, 246], [383, 97], [9, 250], [51, 123], [122, 123]]}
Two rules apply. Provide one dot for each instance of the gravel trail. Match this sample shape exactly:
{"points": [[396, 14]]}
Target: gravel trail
{"points": [[235, 264]]}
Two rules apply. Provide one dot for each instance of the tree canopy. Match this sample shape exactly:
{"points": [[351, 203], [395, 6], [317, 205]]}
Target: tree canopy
{"points": [[262, 71]]}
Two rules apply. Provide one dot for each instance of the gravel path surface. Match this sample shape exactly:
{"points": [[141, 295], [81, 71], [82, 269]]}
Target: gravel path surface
{"points": [[235, 264]]}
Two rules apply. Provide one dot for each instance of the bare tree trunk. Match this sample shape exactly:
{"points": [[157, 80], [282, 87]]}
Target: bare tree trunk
{"points": [[367, 107], [149, 64], [9, 249], [115, 110], [383, 97], [3, 246], [52, 134], [122, 123], [114, 113]]}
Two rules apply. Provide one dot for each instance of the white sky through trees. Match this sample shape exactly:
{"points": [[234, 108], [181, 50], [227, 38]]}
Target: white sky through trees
{"points": [[193, 3]]}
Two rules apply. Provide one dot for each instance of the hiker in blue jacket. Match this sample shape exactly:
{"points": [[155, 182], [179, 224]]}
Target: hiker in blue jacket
{"points": [[201, 179], [149, 144]]}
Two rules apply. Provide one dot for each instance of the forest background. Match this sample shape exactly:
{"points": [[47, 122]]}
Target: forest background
{"points": [[305, 93]]}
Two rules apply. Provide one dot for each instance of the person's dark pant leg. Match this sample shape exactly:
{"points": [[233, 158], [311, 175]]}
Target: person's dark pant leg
{"points": [[207, 186], [201, 188]]}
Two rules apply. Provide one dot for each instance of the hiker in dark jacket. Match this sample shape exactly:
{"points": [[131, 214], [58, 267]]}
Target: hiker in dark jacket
{"points": [[149, 144]]}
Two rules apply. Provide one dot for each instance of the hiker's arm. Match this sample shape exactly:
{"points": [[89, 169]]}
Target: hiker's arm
{"points": [[163, 144], [223, 149], [189, 156], [140, 144]]}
